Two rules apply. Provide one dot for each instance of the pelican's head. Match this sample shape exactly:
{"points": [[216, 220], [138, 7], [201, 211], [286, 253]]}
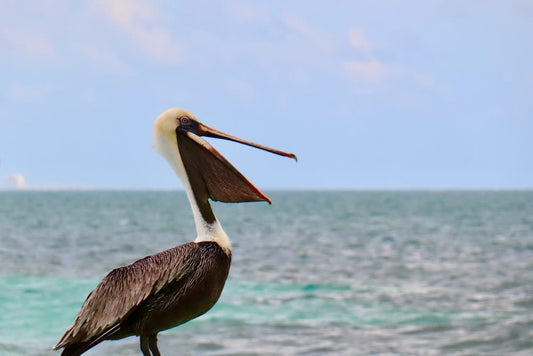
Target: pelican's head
{"points": [[169, 120], [177, 136]]}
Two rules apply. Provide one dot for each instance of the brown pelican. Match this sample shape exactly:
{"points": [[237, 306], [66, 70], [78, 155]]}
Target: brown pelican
{"points": [[171, 287]]}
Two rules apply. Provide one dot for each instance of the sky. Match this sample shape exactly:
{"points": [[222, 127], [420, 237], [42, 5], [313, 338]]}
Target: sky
{"points": [[368, 94]]}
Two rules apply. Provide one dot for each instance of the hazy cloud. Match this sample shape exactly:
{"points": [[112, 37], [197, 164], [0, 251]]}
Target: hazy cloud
{"points": [[140, 20], [320, 40], [126, 13], [358, 40], [299, 25], [103, 59], [242, 10], [25, 94], [371, 71], [31, 45]]}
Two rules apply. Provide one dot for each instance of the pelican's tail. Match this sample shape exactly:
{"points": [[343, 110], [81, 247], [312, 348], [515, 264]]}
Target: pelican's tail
{"points": [[78, 348]]}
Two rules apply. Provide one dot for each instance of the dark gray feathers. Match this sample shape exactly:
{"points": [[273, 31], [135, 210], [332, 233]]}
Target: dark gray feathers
{"points": [[125, 288]]}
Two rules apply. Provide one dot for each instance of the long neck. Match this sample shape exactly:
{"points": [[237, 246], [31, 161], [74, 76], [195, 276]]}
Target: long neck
{"points": [[207, 226]]}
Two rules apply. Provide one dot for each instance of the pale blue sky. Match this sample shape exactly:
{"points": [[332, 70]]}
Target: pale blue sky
{"points": [[368, 94]]}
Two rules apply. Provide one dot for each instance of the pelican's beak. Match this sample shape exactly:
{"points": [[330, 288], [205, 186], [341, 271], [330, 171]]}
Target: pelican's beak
{"points": [[210, 174], [204, 130]]}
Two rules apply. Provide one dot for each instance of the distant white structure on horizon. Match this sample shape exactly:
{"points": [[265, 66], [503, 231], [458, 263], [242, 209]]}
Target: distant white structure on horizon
{"points": [[15, 181]]}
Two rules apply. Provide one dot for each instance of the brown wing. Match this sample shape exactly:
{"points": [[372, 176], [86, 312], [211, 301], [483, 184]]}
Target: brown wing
{"points": [[211, 175], [124, 288]]}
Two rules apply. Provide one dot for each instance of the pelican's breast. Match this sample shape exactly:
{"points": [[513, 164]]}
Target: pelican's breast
{"points": [[186, 299]]}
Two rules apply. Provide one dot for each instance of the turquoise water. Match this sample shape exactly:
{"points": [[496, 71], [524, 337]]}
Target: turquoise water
{"points": [[316, 273]]}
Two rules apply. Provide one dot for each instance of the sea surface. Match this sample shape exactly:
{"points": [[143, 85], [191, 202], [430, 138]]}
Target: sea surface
{"points": [[315, 273]]}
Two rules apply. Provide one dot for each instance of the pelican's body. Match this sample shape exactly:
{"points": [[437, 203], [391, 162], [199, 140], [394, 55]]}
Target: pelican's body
{"points": [[171, 287]]}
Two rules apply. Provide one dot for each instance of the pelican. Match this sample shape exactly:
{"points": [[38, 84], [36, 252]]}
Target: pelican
{"points": [[169, 288]]}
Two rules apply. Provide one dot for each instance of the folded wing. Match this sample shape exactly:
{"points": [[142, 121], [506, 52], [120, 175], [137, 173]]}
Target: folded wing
{"points": [[125, 288]]}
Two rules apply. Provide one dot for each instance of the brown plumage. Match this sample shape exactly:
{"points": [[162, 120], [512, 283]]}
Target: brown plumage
{"points": [[144, 297], [171, 287]]}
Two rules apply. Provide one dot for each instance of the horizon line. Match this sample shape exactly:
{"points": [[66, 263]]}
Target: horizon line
{"points": [[316, 189]]}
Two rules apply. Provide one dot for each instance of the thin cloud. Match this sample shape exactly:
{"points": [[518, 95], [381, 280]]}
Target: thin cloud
{"points": [[241, 10], [103, 59], [157, 43], [29, 44], [25, 94], [299, 25], [372, 71], [358, 40], [321, 41], [125, 13], [140, 20], [369, 68]]}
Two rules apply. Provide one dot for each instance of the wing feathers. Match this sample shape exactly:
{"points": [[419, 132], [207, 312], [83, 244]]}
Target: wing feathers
{"points": [[125, 288]]}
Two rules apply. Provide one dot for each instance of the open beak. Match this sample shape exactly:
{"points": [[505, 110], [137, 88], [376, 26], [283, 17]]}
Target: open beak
{"points": [[204, 130], [210, 174]]}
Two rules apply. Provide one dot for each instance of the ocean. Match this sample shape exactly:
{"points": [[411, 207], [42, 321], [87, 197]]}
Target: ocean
{"points": [[315, 273]]}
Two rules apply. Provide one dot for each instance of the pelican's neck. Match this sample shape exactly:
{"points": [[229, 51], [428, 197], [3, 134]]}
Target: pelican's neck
{"points": [[207, 226]]}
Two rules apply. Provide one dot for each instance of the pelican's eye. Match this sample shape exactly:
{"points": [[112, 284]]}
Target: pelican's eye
{"points": [[188, 125]]}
